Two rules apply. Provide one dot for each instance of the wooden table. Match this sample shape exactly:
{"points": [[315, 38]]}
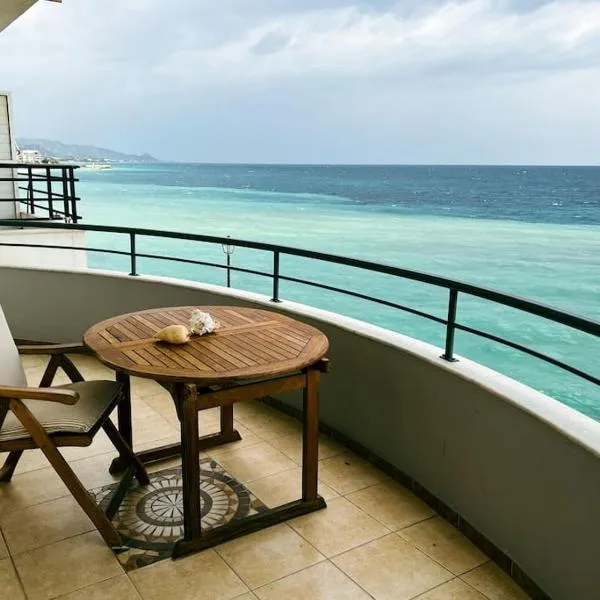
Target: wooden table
{"points": [[254, 353]]}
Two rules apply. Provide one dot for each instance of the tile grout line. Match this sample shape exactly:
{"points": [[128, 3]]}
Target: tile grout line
{"points": [[475, 568], [433, 588], [135, 587], [378, 520], [14, 566], [86, 586], [69, 537], [327, 560]]}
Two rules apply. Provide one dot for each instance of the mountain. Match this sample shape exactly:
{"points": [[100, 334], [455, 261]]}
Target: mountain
{"points": [[54, 149]]}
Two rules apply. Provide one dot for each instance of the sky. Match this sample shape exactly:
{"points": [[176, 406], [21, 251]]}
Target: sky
{"points": [[312, 81]]}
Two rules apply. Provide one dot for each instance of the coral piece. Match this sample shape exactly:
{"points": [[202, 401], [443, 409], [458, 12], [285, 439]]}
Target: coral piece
{"points": [[202, 323]]}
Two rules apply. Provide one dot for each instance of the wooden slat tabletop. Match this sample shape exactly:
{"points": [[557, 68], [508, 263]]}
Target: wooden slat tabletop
{"points": [[249, 343]]}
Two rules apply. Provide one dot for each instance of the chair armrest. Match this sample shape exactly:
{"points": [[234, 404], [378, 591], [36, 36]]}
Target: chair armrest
{"points": [[33, 393], [53, 349]]}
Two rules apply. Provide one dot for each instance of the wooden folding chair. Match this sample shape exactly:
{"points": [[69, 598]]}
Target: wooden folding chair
{"points": [[67, 415]]}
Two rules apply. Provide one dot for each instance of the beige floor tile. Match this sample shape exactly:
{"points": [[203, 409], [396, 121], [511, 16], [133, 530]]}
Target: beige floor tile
{"points": [[203, 575], [173, 438], [493, 583], [291, 446], [91, 368], [262, 557], [117, 588], [66, 566], [246, 596], [284, 487], [34, 361], [323, 581], [151, 426], [445, 544], [250, 408], [163, 404], [248, 439], [338, 528], [253, 411], [392, 504], [28, 489], [453, 590], [33, 375], [93, 471], [347, 473], [145, 387], [253, 462], [3, 547], [31, 460], [391, 569], [100, 445], [10, 587], [272, 424], [43, 524]]}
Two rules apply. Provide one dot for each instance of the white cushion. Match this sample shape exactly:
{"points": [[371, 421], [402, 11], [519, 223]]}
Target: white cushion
{"points": [[11, 369], [96, 400]]}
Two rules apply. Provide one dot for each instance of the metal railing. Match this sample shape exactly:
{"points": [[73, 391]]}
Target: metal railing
{"points": [[49, 189], [454, 287]]}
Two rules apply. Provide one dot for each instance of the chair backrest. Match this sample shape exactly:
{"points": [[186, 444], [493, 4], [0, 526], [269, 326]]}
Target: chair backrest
{"points": [[11, 369]]}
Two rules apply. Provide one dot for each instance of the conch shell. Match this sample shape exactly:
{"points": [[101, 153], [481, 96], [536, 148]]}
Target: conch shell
{"points": [[173, 334]]}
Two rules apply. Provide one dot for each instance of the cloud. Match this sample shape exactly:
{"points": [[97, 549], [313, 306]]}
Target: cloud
{"points": [[461, 38], [232, 69]]}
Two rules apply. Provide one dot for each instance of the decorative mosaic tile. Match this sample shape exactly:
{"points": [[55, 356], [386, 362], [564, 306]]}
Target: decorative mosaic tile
{"points": [[150, 518]]}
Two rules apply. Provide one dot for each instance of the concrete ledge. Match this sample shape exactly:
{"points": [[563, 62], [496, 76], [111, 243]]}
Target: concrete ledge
{"points": [[19, 256]]}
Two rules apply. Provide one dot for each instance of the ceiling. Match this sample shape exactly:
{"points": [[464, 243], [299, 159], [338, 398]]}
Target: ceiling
{"points": [[12, 9]]}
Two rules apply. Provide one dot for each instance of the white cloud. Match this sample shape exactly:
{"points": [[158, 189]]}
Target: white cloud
{"points": [[242, 59], [461, 38]]}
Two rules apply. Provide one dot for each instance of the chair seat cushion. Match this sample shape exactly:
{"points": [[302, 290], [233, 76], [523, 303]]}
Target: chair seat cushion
{"points": [[96, 401]]}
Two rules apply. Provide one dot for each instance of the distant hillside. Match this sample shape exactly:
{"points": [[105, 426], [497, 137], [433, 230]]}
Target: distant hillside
{"points": [[54, 149]]}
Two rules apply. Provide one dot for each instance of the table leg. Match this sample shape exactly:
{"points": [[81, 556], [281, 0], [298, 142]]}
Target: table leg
{"points": [[124, 415], [309, 502], [227, 420], [310, 436], [190, 462]]}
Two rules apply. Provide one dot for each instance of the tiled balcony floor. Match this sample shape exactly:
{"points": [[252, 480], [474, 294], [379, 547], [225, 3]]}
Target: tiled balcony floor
{"points": [[374, 540]]}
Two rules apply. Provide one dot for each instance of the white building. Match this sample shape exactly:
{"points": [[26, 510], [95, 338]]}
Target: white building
{"points": [[29, 156], [11, 208]]}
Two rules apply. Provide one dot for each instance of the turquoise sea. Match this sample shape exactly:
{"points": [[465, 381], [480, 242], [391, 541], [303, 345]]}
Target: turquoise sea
{"points": [[529, 231]]}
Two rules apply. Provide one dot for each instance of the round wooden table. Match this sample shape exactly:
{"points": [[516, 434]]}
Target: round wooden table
{"points": [[254, 353]]}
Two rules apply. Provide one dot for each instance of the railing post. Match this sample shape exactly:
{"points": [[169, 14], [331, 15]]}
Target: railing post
{"points": [[65, 192], [74, 216], [49, 192], [132, 254], [31, 204], [450, 326], [275, 297]]}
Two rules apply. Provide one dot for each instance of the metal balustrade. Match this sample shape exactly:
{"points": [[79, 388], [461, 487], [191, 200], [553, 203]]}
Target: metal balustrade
{"points": [[455, 288], [47, 191]]}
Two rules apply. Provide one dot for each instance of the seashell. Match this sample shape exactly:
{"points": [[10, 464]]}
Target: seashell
{"points": [[173, 334], [202, 323]]}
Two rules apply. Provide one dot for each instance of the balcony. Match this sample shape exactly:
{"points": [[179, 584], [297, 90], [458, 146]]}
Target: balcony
{"points": [[423, 459], [375, 539]]}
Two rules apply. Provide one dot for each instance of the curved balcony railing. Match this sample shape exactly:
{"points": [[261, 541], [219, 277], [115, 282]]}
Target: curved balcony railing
{"points": [[454, 287]]}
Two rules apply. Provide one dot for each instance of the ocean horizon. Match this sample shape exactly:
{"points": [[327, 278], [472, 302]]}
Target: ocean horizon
{"points": [[527, 230]]}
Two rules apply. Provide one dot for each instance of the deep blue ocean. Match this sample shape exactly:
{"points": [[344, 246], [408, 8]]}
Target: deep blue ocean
{"points": [[529, 231]]}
